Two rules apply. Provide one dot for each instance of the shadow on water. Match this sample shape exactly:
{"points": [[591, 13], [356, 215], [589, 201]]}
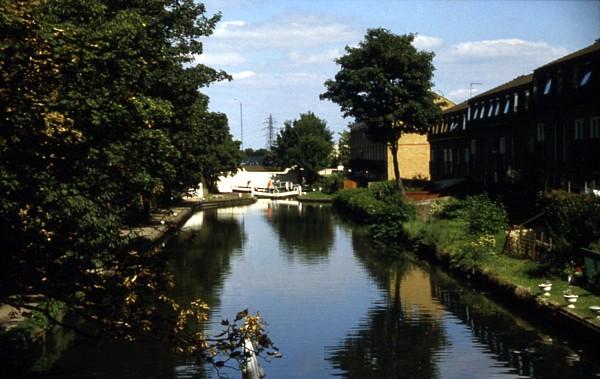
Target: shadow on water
{"points": [[309, 241], [430, 326], [202, 256]]}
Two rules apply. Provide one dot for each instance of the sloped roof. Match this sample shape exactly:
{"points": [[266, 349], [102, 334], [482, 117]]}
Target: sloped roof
{"points": [[516, 82], [579, 53], [459, 107]]}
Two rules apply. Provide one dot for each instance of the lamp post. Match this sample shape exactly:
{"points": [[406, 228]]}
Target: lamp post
{"points": [[241, 123]]}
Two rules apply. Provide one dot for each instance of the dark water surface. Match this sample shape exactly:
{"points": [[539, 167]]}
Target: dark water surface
{"points": [[332, 309]]}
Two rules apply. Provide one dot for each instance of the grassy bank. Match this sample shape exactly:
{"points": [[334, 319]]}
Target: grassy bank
{"points": [[469, 237]]}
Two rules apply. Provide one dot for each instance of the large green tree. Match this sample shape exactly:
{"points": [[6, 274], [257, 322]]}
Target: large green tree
{"points": [[306, 143], [385, 84], [100, 118]]}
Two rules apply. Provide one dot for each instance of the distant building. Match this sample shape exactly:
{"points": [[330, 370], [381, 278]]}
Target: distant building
{"points": [[541, 129], [374, 161]]}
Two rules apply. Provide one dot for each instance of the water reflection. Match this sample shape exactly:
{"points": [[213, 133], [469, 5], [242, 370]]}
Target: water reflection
{"points": [[430, 326], [399, 336], [333, 307], [310, 241], [202, 254], [517, 347]]}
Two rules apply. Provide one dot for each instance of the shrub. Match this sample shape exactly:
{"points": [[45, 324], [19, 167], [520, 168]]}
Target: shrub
{"points": [[483, 215], [385, 215], [330, 184], [572, 220], [388, 225], [359, 203], [383, 189], [447, 209], [472, 252]]}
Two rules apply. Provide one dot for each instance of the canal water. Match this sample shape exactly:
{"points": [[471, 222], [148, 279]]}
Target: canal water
{"points": [[333, 308]]}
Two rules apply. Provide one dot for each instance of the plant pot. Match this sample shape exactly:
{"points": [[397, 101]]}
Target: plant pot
{"points": [[546, 287], [571, 299]]}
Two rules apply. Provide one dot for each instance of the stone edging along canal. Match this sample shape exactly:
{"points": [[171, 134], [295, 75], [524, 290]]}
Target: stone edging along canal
{"points": [[166, 222], [163, 224], [531, 305]]}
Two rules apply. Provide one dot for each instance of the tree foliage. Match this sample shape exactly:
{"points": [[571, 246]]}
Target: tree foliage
{"points": [[385, 84], [101, 119], [306, 143]]}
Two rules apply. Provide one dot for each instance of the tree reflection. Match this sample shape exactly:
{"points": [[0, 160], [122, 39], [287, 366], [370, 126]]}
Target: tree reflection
{"points": [[309, 241], [513, 341], [400, 337], [202, 255]]}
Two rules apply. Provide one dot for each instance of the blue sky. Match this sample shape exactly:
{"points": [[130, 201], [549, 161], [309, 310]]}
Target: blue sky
{"points": [[281, 52]]}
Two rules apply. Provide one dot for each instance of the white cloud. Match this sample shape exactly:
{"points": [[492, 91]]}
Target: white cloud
{"points": [[319, 57], [505, 48], [243, 75], [429, 43], [220, 59], [274, 80], [461, 94], [292, 31]]}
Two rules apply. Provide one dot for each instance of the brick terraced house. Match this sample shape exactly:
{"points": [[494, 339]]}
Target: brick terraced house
{"points": [[541, 129]]}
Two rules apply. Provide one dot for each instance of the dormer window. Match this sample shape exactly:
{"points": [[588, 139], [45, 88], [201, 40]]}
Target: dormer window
{"points": [[548, 86], [516, 102], [491, 109], [476, 112], [585, 79], [507, 105], [482, 111], [497, 108]]}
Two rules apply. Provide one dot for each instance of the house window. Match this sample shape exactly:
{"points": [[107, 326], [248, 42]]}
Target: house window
{"points": [[476, 112], [515, 102], [548, 86], [447, 161], [502, 145], [578, 129], [526, 101], [482, 110], [497, 109], [453, 125], [491, 109], [469, 113], [464, 124], [595, 127], [559, 81], [585, 79], [540, 132], [507, 105]]}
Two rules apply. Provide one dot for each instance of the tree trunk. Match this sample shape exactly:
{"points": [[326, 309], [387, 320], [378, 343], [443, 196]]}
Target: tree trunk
{"points": [[394, 149]]}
